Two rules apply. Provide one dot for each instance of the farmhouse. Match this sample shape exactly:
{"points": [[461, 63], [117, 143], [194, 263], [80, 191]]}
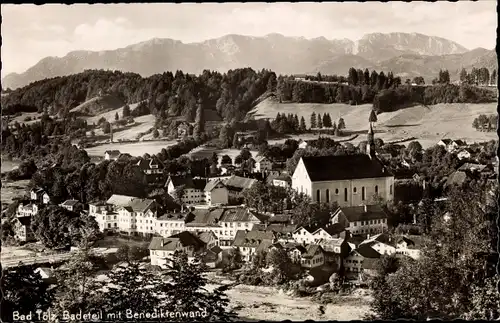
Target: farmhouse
{"points": [[234, 219], [162, 249], [361, 219], [409, 246], [111, 154], [349, 180], [382, 243], [236, 184], [303, 235], [330, 232], [314, 256], [70, 205], [262, 164], [362, 259], [40, 196], [151, 167], [27, 210]]}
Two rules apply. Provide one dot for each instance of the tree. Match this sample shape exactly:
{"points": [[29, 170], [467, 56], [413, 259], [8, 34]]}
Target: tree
{"points": [[302, 126], [156, 133], [234, 260], [463, 76], [272, 83], [117, 117], [226, 160], [199, 127], [341, 124], [493, 78], [313, 120], [282, 265], [126, 111], [373, 116], [419, 80], [224, 137], [23, 291], [320, 122], [52, 225], [183, 284], [327, 121], [106, 127]]}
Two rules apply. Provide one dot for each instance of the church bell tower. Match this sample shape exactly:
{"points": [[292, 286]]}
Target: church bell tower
{"points": [[370, 144]]}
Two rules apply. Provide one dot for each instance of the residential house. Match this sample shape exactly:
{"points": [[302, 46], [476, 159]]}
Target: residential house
{"points": [[409, 246], [163, 249], [361, 260], [216, 193], [302, 144], [27, 210], [209, 238], [471, 167], [283, 180], [111, 154], [382, 243], [138, 216], [314, 256], [250, 243], [464, 154], [184, 129], [205, 220], [40, 196], [47, 274], [452, 145], [348, 180], [191, 190], [304, 235], [234, 219], [361, 219], [262, 164], [70, 205], [213, 256], [236, 185], [22, 229], [171, 223], [333, 231], [105, 214], [152, 168], [283, 231]]}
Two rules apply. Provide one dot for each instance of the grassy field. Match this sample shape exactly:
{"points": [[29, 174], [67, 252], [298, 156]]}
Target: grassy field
{"points": [[428, 124], [13, 189], [134, 149]]}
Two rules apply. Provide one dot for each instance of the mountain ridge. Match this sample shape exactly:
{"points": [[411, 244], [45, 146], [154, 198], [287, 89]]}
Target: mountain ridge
{"points": [[282, 54]]}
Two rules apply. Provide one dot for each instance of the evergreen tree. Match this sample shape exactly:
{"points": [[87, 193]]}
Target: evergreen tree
{"points": [[296, 124], [320, 122], [373, 79], [199, 127], [463, 76], [327, 120], [493, 78], [366, 77], [341, 124], [117, 117], [126, 111], [340, 95], [272, 83], [313, 120], [302, 127]]}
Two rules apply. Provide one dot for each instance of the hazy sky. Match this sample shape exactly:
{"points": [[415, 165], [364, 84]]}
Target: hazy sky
{"points": [[30, 32]]}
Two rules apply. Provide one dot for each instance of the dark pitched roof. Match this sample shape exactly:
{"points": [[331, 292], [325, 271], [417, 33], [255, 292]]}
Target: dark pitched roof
{"points": [[357, 213], [311, 250], [456, 178], [140, 205], [206, 217], [412, 241], [178, 180], [334, 229], [381, 237], [71, 202], [182, 239], [239, 183], [276, 227], [25, 221], [206, 236], [173, 216], [367, 251], [447, 141], [252, 239], [147, 163], [238, 214], [212, 184], [330, 168], [460, 142]]}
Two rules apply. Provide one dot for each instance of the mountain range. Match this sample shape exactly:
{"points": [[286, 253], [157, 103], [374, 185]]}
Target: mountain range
{"points": [[405, 54]]}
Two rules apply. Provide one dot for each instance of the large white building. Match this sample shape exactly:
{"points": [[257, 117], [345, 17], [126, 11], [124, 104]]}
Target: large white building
{"points": [[197, 191], [349, 180]]}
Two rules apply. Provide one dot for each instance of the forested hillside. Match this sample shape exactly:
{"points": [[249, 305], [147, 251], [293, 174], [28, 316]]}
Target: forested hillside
{"points": [[168, 94]]}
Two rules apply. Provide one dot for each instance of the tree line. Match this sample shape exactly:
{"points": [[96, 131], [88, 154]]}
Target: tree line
{"points": [[478, 76], [485, 123]]}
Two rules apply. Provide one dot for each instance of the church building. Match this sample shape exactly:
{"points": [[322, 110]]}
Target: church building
{"points": [[350, 180]]}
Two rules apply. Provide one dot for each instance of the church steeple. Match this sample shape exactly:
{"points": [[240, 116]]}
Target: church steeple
{"points": [[370, 144]]}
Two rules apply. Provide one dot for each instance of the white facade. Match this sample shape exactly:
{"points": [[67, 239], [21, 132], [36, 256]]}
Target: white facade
{"points": [[262, 164], [301, 235], [168, 227], [403, 250], [353, 192], [27, 210], [370, 226], [382, 248], [353, 262]]}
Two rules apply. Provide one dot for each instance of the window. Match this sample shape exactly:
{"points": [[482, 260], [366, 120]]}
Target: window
{"points": [[327, 196], [337, 191], [376, 189], [354, 190], [363, 193], [390, 189], [318, 195], [345, 194]]}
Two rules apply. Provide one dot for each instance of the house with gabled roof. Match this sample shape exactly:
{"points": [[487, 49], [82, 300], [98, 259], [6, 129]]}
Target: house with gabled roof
{"points": [[138, 216], [216, 193], [172, 223], [197, 191], [39, 195], [234, 219], [409, 246], [237, 184], [348, 180], [452, 145], [314, 256], [111, 154], [366, 219], [70, 205], [382, 243], [163, 249], [332, 231], [282, 180], [150, 165], [262, 164], [304, 235], [209, 238], [30, 209], [362, 260], [251, 242]]}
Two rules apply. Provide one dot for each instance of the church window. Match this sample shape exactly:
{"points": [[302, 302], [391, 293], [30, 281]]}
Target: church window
{"points": [[363, 193], [345, 194], [327, 196], [390, 189], [337, 191], [376, 189], [354, 190], [318, 195]]}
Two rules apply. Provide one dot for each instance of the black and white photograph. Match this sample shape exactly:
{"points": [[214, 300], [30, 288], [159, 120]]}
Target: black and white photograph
{"points": [[217, 162]]}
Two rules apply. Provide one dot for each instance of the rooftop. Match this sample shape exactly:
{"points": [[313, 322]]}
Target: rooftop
{"points": [[252, 239], [240, 182], [183, 239], [363, 213], [331, 168]]}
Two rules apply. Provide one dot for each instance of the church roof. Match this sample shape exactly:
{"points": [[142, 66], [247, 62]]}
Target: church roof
{"points": [[331, 168]]}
